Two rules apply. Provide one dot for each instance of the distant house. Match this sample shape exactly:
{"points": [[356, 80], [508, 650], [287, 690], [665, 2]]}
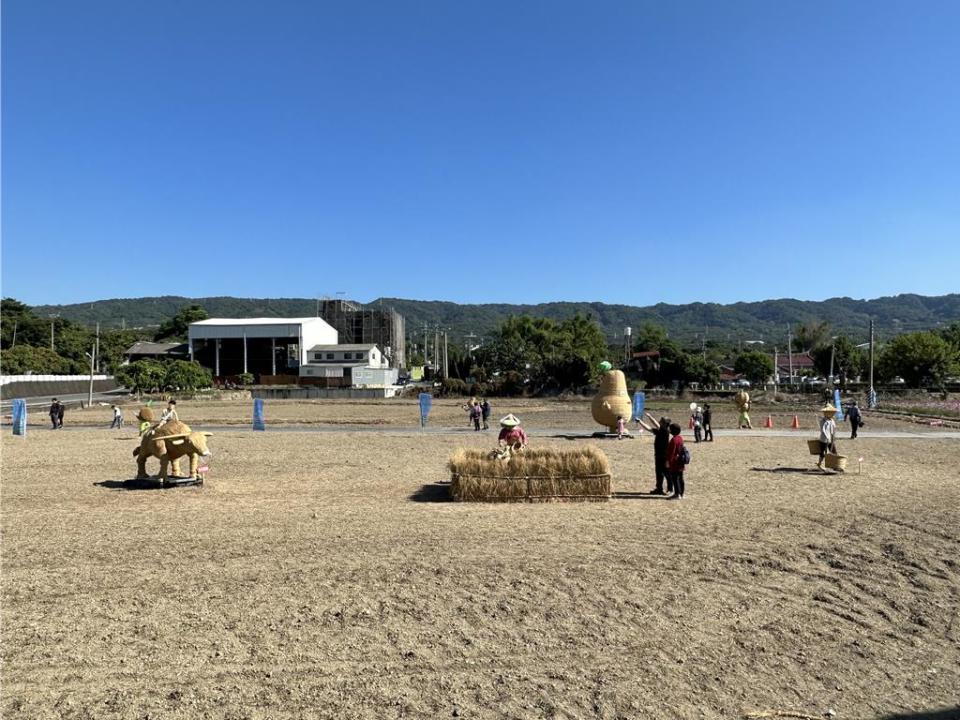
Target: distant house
{"points": [[157, 351], [350, 365], [802, 364]]}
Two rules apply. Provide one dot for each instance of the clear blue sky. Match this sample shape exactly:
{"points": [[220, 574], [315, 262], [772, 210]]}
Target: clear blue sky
{"points": [[630, 152]]}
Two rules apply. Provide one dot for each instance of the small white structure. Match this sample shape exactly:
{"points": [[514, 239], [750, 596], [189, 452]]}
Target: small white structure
{"points": [[363, 364], [229, 346]]}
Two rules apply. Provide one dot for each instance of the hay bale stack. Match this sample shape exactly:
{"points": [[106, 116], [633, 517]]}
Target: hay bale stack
{"points": [[541, 475]]}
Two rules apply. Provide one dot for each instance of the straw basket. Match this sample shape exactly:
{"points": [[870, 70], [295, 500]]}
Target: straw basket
{"points": [[836, 462], [814, 446]]}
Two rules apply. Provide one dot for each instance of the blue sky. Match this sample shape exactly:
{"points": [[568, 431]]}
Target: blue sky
{"points": [[627, 152]]}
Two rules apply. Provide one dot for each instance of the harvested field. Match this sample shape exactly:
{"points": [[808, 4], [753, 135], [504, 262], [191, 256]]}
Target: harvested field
{"points": [[320, 575], [449, 412]]}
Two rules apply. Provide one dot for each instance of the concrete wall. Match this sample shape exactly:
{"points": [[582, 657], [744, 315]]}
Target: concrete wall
{"points": [[308, 393]]}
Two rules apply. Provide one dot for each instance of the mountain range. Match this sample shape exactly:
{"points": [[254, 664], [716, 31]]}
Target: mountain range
{"points": [[765, 320]]}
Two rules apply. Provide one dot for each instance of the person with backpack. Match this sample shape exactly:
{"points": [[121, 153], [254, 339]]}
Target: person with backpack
{"points": [[678, 457], [856, 420], [661, 438]]}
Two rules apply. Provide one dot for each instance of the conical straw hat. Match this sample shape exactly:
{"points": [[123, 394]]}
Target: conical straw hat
{"points": [[828, 409], [510, 420]]}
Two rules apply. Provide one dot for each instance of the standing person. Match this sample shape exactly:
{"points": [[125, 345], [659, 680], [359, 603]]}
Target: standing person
{"points": [[698, 424], [475, 416], [621, 427], [55, 414], [675, 461], [661, 438], [117, 417], [485, 409], [60, 408], [707, 423], [828, 433], [856, 421]]}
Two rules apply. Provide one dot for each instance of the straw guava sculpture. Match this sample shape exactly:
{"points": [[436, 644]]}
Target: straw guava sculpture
{"points": [[612, 400]]}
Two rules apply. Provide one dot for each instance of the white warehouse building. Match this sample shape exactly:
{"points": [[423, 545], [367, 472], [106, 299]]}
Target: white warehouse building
{"points": [[261, 346]]}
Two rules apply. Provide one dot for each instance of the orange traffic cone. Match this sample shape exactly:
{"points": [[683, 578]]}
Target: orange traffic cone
{"points": [[769, 422], [796, 423]]}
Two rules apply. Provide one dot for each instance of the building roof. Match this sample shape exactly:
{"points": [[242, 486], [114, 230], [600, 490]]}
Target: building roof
{"points": [[347, 347], [259, 321], [155, 348]]}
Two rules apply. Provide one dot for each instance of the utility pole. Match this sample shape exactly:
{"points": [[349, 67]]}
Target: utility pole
{"points": [[872, 396], [14, 343], [96, 349], [790, 352], [436, 348], [92, 355], [425, 359], [833, 345], [446, 358]]}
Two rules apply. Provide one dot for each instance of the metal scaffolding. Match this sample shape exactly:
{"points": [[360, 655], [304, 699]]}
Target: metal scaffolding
{"points": [[384, 327]]}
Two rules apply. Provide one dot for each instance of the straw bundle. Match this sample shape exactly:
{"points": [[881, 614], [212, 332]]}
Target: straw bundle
{"points": [[540, 475], [835, 462]]}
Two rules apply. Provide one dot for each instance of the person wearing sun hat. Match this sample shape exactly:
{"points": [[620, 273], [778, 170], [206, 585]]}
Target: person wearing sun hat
{"points": [[828, 432], [510, 431]]}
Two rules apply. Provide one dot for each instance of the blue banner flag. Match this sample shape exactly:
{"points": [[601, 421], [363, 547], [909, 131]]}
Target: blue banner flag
{"points": [[426, 401], [19, 417], [638, 401], [836, 402], [258, 423]]}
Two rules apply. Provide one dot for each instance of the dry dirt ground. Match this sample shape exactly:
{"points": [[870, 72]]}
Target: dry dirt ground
{"points": [[323, 575]]}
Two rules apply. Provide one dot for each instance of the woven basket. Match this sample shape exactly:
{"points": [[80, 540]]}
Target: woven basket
{"points": [[814, 446], [836, 462]]}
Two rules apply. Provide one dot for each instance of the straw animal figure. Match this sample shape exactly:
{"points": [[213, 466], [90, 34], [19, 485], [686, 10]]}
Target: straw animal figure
{"points": [[168, 443]]}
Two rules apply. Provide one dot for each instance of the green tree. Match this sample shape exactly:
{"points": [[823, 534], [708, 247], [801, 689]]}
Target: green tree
{"points": [[921, 359], [695, 368], [810, 335], [186, 375], [755, 365], [543, 355], [176, 327], [142, 375], [650, 336], [24, 359], [848, 360]]}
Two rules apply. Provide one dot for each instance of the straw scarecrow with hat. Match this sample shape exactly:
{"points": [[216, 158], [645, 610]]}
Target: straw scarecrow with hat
{"points": [[511, 434], [742, 399], [828, 432]]}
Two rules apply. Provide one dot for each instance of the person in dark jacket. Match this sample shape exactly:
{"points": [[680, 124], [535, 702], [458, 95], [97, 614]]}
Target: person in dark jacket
{"points": [[856, 420], [707, 423], [485, 409], [56, 415], [661, 437]]}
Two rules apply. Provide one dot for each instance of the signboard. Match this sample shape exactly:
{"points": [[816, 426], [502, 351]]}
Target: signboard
{"points": [[258, 423], [19, 417], [639, 399], [426, 402], [836, 404]]}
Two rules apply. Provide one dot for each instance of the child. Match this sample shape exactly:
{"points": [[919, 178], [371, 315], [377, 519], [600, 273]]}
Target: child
{"points": [[621, 427], [697, 424], [675, 464], [475, 416], [117, 418]]}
